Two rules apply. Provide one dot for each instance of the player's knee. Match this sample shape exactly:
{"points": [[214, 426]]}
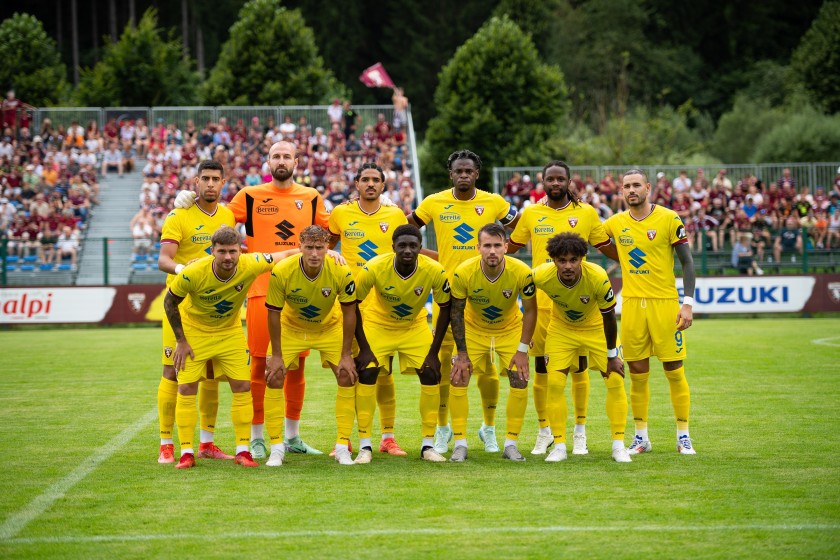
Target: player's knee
{"points": [[368, 376], [188, 389], [169, 373], [344, 379], [428, 376], [240, 386], [540, 365], [671, 366]]}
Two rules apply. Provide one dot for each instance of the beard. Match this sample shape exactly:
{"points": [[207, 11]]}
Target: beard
{"points": [[282, 174], [559, 196]]}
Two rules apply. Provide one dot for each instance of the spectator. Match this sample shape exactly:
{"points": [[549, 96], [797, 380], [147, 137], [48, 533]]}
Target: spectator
{"points": [[288, 128], [682, 183], [67, 245], [538, 193], [787, 181], [789, 240], [113, 157], [804, 202], [743, 257], [722, 183], [350, 119], [705, 225], [407, 196], [400, 102], [48, 237], [335, 112], [7, 214], [382, 129], [142, 230], [819, 231], [833, 238]]}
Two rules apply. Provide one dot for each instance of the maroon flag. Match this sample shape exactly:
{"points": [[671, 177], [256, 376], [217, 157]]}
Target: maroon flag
{"points": [[376, 76]]}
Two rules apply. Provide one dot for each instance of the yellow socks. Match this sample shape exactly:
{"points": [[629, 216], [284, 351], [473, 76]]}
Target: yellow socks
{"points": [[274, 413], [208, 404], [616, 405], [488, 387], [516, 405], [241, 414], [557, 408], [580, 395], [186, 416], [459, 406], [387, 400], [445, 370], [640, 398], [365, 407], [345, 413], [429, 407], [540, 398], [680, 396], [167, 396]]}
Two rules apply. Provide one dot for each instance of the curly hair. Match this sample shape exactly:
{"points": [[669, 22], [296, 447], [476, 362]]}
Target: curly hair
{"points": [[369, 165], [314, 234], [463, 154], [566, 243], [407, 229]]}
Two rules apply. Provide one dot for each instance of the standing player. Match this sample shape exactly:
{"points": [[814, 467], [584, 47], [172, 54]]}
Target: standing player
{"points": [[582, 325], [185, 238], [274, 213], [365, 228], [211, 331], [395, 320], [457, 214], [302, 316], [652, 319], [485, 317], [538, 223]]}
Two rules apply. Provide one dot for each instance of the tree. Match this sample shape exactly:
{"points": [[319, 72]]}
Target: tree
{"points": [[806, 136], [816, 61], [145, 67], [496, 98], [32, 65], [742, 127], [270, 58]]}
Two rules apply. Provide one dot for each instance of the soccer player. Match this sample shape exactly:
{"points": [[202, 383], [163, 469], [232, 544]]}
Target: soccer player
{"points": [[395, 321], [302, 316], [273, 213], [185, 238], [582, 324], [211, 331], [457, 214], [652, 319], [538, 223], [365, 228], [486, 321]]}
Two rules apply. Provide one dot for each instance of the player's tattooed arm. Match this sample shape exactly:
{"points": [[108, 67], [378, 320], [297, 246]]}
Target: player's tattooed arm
{"points": [[456, 318], [686, 316], [170, 307]]}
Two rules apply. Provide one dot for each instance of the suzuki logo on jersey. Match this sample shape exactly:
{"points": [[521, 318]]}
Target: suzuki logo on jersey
{"points": [[285, 230], [573, 315], [310, 311], [418, 290], [367, 250], [384, 226], [491, 313], [573, 222], [479, 210], [298, 204], [223, 307], [651, 233], [209, 250], [326, 291], [638, 257], [402, 310], [464, 234]]}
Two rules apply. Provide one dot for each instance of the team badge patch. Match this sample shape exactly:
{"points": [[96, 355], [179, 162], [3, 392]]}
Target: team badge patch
{"points": [[167, 351], [584, 299], [384, 226], [298, 204], [834, 291], [239, 286], [326, 291], [479, 210], [507, 293], [651, 233], [418, 290], [573, 222]]}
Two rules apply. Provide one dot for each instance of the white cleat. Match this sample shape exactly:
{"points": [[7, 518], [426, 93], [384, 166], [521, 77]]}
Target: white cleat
{"points": [[542, 445], [276, 458], [443, 435], [684, 446], [364, 457], [557, 454], [487, 434], [429, 454], [639, 446], [343, 457], [579, 447], [620, 455]]}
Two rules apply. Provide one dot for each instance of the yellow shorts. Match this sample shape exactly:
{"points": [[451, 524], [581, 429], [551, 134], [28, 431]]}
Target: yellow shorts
{"points": [[544, 306], [227, 351], [168, 342], [568, 345], [327, 342], [412, 343], [649, 328], [484, 346]]}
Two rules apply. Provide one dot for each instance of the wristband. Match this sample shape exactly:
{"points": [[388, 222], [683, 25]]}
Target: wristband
{"points": [[612, 353], [689, 301], [523, 347], [179, 268]]}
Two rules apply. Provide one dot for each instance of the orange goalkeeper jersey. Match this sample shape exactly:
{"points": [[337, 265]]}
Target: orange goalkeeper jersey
{"points": [[274, 218]]}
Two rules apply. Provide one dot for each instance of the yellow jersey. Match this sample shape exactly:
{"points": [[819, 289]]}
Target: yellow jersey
{"points": [[191, 229], [214, 304], [457, 222], [646, 252], [399, 300], [364, 236], [309, 304], [579, 306], [492, 305]]}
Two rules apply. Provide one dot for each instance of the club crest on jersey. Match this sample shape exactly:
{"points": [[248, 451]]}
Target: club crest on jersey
{"points": [[479, 210], [298, 204], [507, 293], [326, 291], [418, 290], [168, 351], [239, 286], [584, 299], [573, 222], [651, 233], [384, 226]]}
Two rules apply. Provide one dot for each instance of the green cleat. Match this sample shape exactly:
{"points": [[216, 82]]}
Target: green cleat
{"points": [[258, 449], [297, 445]]}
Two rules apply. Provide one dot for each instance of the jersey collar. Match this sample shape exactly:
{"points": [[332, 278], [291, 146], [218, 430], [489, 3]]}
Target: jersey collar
{"points": [[557, 272], [303, 271], [362, 210], [235, 270], [504, 265], [452, 192], [652, 208], [416, 264]]}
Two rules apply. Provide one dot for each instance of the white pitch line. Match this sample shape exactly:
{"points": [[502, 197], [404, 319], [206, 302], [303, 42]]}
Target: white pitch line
{"points": [[826, 341], [430, 531], [15, 524]]}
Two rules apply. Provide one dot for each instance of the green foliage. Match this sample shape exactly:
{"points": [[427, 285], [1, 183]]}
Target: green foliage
{"points": [[742, 127], [806, 136], [31, 63], [497, 98], [143, 68], [270, 58], [536, 18], [816, 60]]}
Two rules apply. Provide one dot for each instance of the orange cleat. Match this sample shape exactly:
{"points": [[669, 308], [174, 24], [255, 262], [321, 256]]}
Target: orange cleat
{"points": [[167, 454], [244, 458], [210, 451], [187, 461], [391, 447]]}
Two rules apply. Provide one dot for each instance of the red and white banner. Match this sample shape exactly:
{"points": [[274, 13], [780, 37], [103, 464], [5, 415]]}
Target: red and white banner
{"points": [[55, 305], [376, 76]]}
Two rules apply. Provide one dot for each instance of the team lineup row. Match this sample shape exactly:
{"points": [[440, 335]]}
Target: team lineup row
{"points": [[568, 323]]}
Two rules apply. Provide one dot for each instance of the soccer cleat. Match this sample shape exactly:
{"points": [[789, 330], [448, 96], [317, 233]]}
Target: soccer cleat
{"points": [[512, 452], [487, 434], [297, 445], [343, 457], [167, 454], [391, 447], [639, 445], [684, 446], [443, 435], [276, 458], [187, 461], [244, 458], [620, 455], [349, 448], [459, 454], [210, 451], [542, 445], [429, 454], [258, 449], [579, 447], [557, 454], [364, 457]]}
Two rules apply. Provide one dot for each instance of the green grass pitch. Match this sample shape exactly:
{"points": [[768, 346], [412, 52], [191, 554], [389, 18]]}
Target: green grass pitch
{"points": [[80, 477]]}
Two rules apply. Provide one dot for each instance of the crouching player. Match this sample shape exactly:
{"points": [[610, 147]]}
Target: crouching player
{"points": [[397, 285], [582, 324]]}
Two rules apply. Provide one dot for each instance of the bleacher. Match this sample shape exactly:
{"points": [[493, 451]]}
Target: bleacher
{"points": [[144, 268]]}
